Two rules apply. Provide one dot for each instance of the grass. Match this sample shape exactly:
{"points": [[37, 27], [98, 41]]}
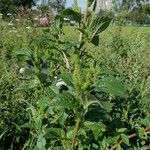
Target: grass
{"points": [[123, 51]]}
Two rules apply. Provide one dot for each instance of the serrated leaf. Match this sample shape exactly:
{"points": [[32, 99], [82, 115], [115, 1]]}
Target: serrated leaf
{"points": [[125, 139], [65, 100], [96, 127], [112, 86], [107, 106], [145, 122]]}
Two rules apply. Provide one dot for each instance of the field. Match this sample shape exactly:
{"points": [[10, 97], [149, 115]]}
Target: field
{"points": [[52, 98]]}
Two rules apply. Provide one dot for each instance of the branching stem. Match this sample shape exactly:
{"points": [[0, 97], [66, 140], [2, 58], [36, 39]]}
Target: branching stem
{"points": [[130, 137]]}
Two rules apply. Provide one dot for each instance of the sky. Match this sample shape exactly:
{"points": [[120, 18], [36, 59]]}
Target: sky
{"points": [[70, 2], [80, 2]]}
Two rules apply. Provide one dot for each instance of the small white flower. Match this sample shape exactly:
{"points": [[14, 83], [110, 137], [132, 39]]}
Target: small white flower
{"points": [[72, 22], [22, 70], [1, 14], [60, 83], [55, 77], [17, 20], [28, 28], [9, 14], [66, 19], [36, 18]]}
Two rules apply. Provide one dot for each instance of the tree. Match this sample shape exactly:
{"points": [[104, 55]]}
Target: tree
{"points": [[128, 4], [57, 5], [11, 6]]}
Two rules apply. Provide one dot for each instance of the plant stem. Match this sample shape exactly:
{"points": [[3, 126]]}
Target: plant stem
{"points": [[76, 129]]}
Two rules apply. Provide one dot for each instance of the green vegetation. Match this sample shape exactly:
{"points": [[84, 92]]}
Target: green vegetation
{"points": [[11, 6], [82, 87]]}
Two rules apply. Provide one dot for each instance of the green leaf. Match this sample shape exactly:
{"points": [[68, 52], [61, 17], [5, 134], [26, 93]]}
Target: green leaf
{"points": [[107, 106], [125, 139], [112, 86], [98, 25], [53, 133], [65, 100], [91, 100], [113, 140], [121, 130], [70, 133], [145, 122], [27, 53], [96, 127], [118, 147], [141, 133], [41, 142], [67, 78], [95, 40]]}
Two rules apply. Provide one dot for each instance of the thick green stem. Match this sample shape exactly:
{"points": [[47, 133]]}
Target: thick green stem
{"points": [[76, 129]]}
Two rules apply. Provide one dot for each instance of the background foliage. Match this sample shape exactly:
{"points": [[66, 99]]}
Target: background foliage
{"points": [[74, 87]]}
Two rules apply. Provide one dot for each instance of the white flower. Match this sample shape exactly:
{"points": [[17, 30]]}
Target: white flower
{"points": [[36, 18], [1, 14], [22, 70], [60, 83], [9, 14], [55, 77], [66, 19], [72, 22], [28, 28], [17, 20]]}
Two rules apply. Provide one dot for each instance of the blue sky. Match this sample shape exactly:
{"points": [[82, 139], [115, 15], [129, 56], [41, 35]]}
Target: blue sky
{"points": [[80, 2], [70, 2]]}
